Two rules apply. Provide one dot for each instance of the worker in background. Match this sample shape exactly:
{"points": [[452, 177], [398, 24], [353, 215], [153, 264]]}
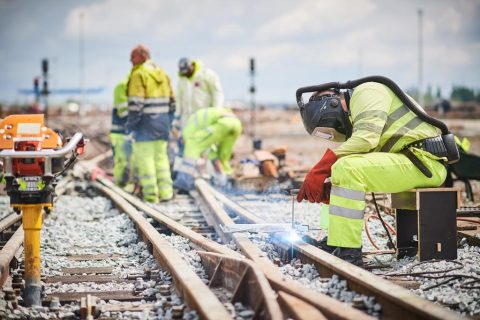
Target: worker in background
{"points": [[150, 101], [206, 129], [198, 87], [122, 148], [377, 156]]}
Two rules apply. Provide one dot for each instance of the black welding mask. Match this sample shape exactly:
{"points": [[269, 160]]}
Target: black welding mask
{"points": [[324, 117]]}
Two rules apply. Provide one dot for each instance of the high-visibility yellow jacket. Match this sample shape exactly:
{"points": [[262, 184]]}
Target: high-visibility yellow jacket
{"points": [[381, 122], [201, 90], [150, 97], [120, 107]]}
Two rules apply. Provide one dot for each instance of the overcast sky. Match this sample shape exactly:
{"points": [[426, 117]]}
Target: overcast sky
{"points": [[295, 43]]}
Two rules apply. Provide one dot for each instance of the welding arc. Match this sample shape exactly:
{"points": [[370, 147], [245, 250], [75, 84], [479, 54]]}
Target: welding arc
{"points": [[383, 223]]}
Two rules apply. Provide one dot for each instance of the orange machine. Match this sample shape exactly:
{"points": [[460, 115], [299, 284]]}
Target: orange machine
{"points": [[33, 157]]}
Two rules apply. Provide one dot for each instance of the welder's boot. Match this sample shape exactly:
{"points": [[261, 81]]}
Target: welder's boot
{"points": [[322, 244], [351, 255]]}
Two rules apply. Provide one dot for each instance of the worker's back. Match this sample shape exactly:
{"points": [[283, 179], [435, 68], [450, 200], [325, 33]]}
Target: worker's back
{"points": [[203, 118], [381, 122], [150, 84]]}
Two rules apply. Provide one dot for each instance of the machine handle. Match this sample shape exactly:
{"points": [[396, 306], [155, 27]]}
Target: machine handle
{"points": [[50, 153], [76, 142]]}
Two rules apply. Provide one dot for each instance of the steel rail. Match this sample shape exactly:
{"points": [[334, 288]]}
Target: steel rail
{"points": [[196, 294], [331, 308], [10, 220], [396, 302], [8, 253]]}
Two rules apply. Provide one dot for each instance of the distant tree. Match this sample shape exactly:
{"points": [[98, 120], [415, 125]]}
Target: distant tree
{"points": [[477, 96], [412, 92], [428, 97], [462, 93], [439, 93]]}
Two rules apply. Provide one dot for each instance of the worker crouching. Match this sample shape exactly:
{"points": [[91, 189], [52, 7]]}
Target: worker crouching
{"points": [[383, 151], [206, 129]]}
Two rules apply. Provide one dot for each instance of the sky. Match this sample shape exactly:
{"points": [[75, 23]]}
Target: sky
{"points": [[295, 42]]}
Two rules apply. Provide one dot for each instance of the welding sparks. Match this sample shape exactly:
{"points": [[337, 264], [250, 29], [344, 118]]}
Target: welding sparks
{"points": [[291, 237]]}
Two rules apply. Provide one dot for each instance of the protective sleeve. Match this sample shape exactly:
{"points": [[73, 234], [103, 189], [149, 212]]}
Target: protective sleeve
{"points": [[120, 99], [369, 110], [216, 90], [136, 100]]}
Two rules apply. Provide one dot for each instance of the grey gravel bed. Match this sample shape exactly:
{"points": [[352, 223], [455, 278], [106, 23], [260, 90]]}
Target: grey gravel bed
{"points": [[5, 209], [452, 295], [307, 275], [276, 208], [91, 226]]}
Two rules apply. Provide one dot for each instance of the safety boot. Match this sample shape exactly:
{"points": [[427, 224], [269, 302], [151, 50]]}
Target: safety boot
{"points": [[322, 244], [351, 255]]}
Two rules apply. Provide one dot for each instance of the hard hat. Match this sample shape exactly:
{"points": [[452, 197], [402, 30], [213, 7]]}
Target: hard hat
{"points": [[324, 117], [184, 65]]}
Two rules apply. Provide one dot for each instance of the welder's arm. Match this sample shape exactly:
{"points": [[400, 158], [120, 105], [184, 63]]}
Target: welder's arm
{"points": [[136, 101], [369, 108]]}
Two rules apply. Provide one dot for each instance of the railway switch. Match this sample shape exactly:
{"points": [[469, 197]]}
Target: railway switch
{"points": [[33, 157]]}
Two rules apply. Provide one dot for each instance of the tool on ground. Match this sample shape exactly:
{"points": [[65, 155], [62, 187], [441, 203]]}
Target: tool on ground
{"points": [[300, 228], [33, 157], [256, 227]]}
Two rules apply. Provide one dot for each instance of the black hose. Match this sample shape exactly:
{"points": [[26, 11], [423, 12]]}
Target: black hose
{"points": [[383, 223], [380, 79]]}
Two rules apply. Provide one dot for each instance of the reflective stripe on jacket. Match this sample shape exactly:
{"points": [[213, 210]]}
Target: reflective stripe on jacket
{"points": [[149, 97], [201, 90], [120, 107], [381, 122]]}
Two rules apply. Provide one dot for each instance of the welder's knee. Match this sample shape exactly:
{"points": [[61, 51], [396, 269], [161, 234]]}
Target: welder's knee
{"points": [[348, 171]]}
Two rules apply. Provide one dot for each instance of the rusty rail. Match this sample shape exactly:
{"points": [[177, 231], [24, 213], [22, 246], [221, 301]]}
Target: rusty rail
{"points": [[8, 253], [397, 302], [196, 294], [330, 307]]}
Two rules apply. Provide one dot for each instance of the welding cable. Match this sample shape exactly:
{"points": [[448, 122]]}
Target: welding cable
{"points": [[467, 285], [468, 220], [389, 226], [69, 163], [365, 221], [369, 236], [383, 223], [452, 277], [419, 273]]}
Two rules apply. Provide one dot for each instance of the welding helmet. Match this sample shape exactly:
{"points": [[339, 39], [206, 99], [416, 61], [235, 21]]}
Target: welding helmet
{"points": [[184, 66], [324, 117]]}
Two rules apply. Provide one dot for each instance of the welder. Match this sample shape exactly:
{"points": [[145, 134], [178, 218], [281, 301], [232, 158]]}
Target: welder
{"points": [[150, 105], [122, 148], [211, 132], [389, 145]]}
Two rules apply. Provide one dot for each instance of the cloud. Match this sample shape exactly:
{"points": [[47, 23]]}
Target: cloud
{"points": [[111, 17], [229, 30], [315, 17]]}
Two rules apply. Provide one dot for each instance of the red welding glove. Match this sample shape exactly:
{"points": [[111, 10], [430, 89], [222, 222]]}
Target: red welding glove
{"points": [[313, 186]]}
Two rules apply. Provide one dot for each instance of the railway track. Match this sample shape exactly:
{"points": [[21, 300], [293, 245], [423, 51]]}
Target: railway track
{"points": [[395, 301], [258, 287]]}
